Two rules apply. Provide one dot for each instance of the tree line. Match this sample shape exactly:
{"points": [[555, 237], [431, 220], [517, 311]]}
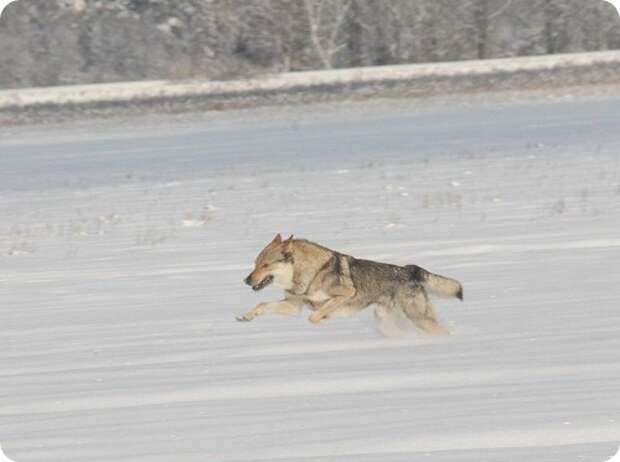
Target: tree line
{"points": [[56, 42]]}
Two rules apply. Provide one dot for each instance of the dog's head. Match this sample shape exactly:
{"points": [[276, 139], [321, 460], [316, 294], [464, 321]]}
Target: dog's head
{"points": [[273, 264]]}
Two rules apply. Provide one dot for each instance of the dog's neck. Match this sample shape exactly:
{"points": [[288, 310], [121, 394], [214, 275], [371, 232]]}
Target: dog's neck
{"points": [[309, 258]]}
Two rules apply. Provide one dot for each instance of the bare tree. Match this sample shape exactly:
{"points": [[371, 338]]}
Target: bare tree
{"points": [[325, 20], [83, 41]]}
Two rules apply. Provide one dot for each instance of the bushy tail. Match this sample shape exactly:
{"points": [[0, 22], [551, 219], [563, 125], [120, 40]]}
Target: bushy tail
{"points": [[436, 284]]}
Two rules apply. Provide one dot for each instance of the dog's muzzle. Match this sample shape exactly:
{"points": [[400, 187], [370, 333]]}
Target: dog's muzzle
{"points": [[261, 285]]}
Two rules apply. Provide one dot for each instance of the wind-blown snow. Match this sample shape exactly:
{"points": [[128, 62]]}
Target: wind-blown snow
{"points": [[123, 249]]}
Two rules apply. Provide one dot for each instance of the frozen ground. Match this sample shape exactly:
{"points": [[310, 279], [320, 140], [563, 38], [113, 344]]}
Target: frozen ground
{"points": [[123, 247]]}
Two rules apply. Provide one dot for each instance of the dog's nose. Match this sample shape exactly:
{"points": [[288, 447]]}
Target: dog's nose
{"points": [[248, 280]]}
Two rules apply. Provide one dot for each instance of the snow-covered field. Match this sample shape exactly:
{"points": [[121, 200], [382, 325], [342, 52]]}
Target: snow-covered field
{"points": [[123, 246]]}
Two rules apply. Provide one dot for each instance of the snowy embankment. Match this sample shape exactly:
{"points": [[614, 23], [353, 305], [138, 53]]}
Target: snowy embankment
{"points": [[122, 256], [402, 80]]}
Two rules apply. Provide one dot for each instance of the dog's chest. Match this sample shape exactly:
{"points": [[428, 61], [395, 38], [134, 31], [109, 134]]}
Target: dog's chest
{"points": [[317, 296]]}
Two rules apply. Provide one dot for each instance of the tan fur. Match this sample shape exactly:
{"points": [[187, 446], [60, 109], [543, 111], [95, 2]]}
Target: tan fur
{"points": [[335, 284]]}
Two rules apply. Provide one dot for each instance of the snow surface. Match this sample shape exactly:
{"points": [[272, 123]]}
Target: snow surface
{"points": [[123, 247]]}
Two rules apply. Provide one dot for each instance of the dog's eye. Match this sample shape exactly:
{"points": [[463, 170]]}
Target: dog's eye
{"points": [[265, 265]]}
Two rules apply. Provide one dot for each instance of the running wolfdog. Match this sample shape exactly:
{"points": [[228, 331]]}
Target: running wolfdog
{"points": [[334, 284]]}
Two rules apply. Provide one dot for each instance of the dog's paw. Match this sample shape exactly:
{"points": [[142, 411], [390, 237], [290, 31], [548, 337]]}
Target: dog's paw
{"points": [[316, 318], [244, 318]]}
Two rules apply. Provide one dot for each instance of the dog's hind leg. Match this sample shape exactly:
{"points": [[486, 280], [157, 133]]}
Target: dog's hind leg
{"points": [[419, 310], [391, 321]]}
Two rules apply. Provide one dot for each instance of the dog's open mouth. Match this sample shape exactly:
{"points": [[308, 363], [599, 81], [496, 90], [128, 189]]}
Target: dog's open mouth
{"points": [[264, 283]]}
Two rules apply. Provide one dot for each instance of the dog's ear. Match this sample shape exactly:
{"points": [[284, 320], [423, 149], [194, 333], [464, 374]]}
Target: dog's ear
{"points": [[288, 244], [287, 249], [277, 239]]}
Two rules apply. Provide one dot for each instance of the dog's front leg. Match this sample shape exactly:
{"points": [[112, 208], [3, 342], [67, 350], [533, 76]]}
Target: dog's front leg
{"points": [[332, 305], [284, 307]]}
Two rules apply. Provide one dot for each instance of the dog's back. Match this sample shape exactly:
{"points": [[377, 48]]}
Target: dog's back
{"points": [[378, 280]]}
